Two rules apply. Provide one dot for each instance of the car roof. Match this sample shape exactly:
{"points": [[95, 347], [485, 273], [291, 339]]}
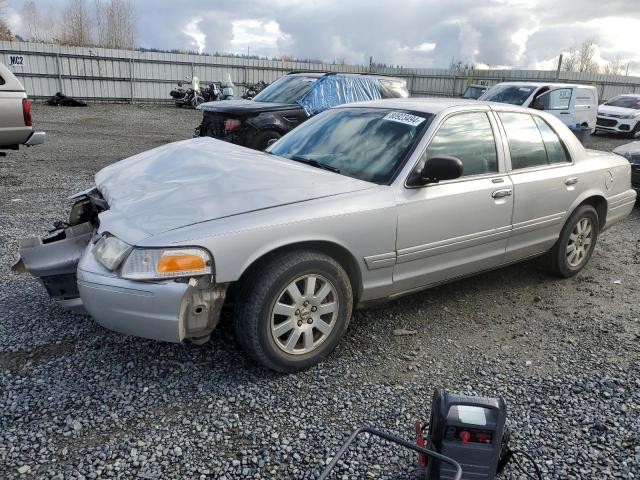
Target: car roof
{"points": [[430, 104], [546, 84]]}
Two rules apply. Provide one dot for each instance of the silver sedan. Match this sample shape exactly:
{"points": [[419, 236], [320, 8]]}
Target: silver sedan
{"points": [[364, 202]]}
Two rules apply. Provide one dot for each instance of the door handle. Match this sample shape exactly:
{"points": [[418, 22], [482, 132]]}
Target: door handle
{"points": [[502, 193], [564, 113], [571, 181]]}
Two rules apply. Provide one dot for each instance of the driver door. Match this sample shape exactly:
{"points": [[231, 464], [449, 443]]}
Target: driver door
{"points": [[456, 227]]}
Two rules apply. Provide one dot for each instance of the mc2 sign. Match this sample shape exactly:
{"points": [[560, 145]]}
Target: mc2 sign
{"points": [[16, 60]]}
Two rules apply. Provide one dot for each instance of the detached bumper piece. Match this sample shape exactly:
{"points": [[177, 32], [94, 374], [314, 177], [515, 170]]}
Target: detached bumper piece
{"points": [[36, 138], [54, 260]]}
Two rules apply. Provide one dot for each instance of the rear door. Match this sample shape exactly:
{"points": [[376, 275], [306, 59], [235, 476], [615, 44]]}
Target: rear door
{"points": [[456, 227], [545, 183], [13, 131], [586, 107]]}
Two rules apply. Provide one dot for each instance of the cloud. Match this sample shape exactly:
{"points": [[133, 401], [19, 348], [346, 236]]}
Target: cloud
{"points": [[192, 30], [415, 33]]}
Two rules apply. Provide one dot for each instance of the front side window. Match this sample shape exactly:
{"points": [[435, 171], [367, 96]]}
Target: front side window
{"points": [[555, 99], [513, 94], [370, 144], [525, 141], [287, 89], [469, 137]]}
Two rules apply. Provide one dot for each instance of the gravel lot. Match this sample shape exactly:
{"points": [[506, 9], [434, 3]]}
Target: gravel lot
{"points": [[77, 401]]}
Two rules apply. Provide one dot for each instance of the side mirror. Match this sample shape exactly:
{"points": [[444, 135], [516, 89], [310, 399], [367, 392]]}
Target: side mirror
{"points": [[441, 168]]}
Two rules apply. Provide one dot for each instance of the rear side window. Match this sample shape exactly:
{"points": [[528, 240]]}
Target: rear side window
{"points": [[532, 142], [556, 152], [525, 142], [469, 137]]}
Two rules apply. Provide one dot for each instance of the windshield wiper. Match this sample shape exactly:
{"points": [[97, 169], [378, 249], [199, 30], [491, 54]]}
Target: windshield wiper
{"points": [[314, 163]]}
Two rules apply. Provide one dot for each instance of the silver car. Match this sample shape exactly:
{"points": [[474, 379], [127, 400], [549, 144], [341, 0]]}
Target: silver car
{"points": [[362, 203], [16, 125]]}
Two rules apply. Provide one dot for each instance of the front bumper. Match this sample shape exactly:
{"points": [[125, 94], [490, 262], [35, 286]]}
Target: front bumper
{"points": [[166, 310], [616, 125], [144, 309]]}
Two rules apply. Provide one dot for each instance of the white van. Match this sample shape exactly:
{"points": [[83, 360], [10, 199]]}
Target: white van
{"points": [[574, 104]]}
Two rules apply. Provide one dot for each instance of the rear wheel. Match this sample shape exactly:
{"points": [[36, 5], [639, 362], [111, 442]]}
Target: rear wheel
{"points": [[577, 240], [263, 137], [292, 312]]}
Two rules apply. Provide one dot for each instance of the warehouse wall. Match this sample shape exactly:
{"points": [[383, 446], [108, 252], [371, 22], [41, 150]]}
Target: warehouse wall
{"points": [[123, 75]]}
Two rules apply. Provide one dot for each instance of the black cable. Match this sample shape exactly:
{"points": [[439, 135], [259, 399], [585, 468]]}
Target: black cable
{"points": [[533, 462]]}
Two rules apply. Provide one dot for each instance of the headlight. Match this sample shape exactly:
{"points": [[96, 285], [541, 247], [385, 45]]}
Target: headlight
{"points": [[626, 117], [159, 263], [110, 251]]}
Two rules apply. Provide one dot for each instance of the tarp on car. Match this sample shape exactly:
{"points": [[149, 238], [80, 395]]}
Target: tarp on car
{"points": [[332, 90]]}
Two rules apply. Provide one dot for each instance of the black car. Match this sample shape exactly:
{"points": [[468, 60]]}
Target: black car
{"points": [[631, 151], [288, 102]]}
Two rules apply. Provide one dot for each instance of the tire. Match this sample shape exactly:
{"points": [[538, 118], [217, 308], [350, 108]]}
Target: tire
{"points": [[257, 321], [196, 100], [565, 260], [261, 139]]}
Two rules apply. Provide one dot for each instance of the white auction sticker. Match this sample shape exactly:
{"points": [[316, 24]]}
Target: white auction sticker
{"points": [[405, 118]]}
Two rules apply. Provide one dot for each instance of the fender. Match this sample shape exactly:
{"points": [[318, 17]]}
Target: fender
{"points": [[591, 192]]}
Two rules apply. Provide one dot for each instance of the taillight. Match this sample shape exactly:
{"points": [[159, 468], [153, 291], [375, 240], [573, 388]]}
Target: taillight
{"points": [[231, 124], [26, 112]]}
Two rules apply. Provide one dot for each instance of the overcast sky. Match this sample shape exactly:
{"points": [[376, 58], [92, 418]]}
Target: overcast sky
{"points": [[418, 33]]}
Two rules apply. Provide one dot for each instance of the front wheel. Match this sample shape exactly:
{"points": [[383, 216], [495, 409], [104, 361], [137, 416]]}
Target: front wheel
{"points": [[577, 240], [291, 312]]}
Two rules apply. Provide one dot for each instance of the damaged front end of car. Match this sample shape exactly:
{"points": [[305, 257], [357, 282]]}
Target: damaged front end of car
{"points": [[165, 294], [53, 259]]}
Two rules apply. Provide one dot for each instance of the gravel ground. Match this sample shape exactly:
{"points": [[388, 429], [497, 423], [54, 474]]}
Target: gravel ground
{"points": [[78, 401]]}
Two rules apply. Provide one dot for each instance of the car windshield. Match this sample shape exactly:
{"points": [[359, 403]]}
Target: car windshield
{"points": [[625, 101], [513, 94], [287, 89], [365, 143], [473, 92]]}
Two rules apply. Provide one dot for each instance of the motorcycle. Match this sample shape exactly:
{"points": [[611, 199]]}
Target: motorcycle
{"points": [[196, 93], [253, 89], [190, 96]]}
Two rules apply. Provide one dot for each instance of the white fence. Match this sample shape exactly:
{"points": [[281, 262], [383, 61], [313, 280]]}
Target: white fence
{"points": [[123, 75]]}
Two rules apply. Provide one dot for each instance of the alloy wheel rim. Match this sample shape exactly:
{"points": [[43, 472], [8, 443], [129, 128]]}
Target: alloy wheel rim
{"points": [[304, 314], [580, 241]]}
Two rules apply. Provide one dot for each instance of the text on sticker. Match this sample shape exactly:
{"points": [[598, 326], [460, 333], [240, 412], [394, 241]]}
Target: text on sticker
{"points": [[405, 118]]}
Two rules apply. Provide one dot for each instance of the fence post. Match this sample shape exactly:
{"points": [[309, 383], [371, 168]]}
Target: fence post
{"points": [[131, 79], [59, 67]]}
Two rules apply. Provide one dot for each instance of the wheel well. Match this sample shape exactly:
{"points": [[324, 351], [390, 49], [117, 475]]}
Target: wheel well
{"points": [[337, 252], [600, 204]]}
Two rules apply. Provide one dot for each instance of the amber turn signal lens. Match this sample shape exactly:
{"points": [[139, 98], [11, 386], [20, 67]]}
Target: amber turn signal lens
{"points": [[180, 262]]}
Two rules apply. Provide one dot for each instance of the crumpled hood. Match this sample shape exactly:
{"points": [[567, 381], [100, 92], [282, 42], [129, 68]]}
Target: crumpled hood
{"points": [[202, 179], [611, 110]]}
